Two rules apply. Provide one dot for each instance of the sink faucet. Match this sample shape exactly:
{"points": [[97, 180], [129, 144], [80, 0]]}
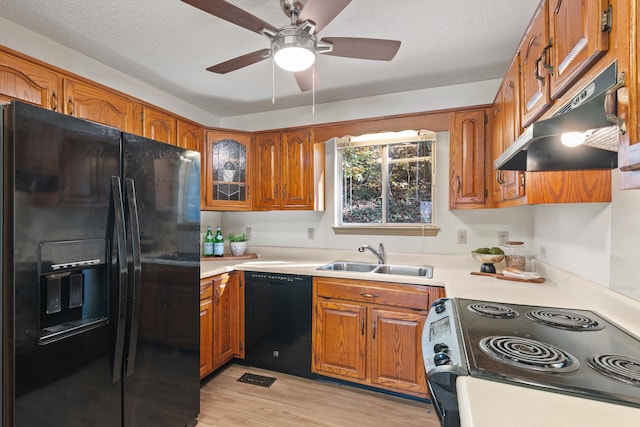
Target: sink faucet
{"points": [[379, 254]]}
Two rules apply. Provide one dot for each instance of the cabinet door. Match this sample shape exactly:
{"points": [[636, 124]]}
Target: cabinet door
{"points": [[578, 37], [93, 103], [227, 157], [159, 126], [513, 181], [297, 170], [224, 326], [534, 78], [28, 82], [396, 350], [467, 160], [339, 340], [267, 170], [190, 136], [498, 143], [206, 337]]}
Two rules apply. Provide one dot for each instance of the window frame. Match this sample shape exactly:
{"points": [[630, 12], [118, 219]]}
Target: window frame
{"points": [[383, 228]]}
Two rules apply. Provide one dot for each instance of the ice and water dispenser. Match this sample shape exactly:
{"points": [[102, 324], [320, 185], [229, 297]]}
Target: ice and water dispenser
{"points": [[74, 287]]}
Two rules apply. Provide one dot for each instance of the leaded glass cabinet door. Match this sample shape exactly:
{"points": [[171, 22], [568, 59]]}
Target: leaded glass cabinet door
{"points": [[228, 180]]}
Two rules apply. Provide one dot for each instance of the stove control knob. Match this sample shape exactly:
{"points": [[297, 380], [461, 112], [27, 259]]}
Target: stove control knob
{"points": [[440, 348], [439, 307], [441, 359]]}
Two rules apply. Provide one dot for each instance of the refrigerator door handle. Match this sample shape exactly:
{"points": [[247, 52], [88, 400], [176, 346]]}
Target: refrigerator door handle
{"points": [[121, 245], [134, 229]]}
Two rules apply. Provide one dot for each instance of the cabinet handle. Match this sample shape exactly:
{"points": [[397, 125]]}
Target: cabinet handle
{"points": [[70, 106], [54, 100], [374, 328], [458, 184], [362, 327], [610, 104], [544, 56], [276, 191], [499, 178], [217, 292], [284, 191], [535, 73], [367, 295]]}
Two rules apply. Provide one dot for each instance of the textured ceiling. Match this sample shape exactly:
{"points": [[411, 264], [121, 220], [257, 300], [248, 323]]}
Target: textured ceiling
{"points": [[169, 44]]}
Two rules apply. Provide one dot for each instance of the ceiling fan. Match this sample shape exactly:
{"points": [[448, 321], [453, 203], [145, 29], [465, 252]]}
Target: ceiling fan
{"points": [[295, 47]]}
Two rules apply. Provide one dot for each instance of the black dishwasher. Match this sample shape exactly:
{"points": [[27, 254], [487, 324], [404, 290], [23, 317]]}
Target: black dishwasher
{"points": [[278, 322]]}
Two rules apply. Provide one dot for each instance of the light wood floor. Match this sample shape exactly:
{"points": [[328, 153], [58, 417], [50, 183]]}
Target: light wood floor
{"points": [[295, 402]]}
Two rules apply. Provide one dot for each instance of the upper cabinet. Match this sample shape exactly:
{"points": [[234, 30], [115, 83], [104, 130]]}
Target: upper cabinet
{"points": [[507, 185], [159, 126], [579, 31], [91, 102], [534, 67], [289, 170], [225, 166], [467, 187], [190, 136], [28, 82]]}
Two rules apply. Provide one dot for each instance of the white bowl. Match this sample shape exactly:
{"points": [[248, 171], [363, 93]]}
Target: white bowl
{"points": [[487, 258]]}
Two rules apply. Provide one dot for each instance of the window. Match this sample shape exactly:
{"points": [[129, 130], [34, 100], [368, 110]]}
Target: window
{"points": [[385, 184]]}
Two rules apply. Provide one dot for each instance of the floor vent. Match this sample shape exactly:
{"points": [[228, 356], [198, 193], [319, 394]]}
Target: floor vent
{"points": [[260, 380]]}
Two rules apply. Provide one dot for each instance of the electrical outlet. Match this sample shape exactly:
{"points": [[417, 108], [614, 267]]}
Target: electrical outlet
{"points": [[311, 233], [461, 236], [247, 232], [503, 238]]}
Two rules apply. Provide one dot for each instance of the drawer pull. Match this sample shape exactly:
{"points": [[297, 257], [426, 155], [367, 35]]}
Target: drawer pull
{"points": [[367, 295], [362, 327]]}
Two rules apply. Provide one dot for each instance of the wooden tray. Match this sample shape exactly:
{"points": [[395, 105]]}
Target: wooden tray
{"points": [[503, 277]]}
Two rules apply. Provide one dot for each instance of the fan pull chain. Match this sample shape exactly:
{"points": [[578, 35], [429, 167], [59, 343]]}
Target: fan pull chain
{"points": [[273, 81], [313, 91]]}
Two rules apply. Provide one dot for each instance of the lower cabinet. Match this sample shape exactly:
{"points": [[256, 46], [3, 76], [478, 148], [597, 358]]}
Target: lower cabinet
{"points": [[370, 333], [220, 317]]}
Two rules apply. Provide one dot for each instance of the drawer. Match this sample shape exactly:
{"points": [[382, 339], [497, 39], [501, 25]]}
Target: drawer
{"points": [[392, 294], [206, 290]]}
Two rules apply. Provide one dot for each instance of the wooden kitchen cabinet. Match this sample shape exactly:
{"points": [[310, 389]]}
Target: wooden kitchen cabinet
{"points": [[288, 171], [226, 170], [370, 333], [579, 35], [91, 102], [159, 126], [206, 327], [508, 186], [533, 55], [190, 135], [221, 313], [467, 168], [28, 82]]}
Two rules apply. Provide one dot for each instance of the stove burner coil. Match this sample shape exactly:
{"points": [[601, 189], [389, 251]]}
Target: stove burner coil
{"points": [[496, 311], [564, 320], [529, 354], [622, 368]]}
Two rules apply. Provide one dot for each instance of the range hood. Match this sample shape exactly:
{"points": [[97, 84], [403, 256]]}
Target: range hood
{"points": [[539, 147]]}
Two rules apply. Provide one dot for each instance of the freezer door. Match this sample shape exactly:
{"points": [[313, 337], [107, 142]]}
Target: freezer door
{"points": [[162, 378], [56, 198]]}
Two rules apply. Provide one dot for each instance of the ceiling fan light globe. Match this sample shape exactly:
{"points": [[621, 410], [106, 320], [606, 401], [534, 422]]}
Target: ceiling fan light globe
{"points": [[294, 58]]}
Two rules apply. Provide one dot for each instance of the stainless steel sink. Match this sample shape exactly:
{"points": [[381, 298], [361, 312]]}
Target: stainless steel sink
{"points": [[405, 270], [360, 267]]}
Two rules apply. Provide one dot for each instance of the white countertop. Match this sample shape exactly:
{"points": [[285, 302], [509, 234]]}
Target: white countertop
{"points": [[485, 403]]}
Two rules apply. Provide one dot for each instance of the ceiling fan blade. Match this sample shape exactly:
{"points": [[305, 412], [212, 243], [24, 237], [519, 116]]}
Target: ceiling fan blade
{"points": [[240, 61], [229, 12], [362, 48], [308, 78], [322, 11]]}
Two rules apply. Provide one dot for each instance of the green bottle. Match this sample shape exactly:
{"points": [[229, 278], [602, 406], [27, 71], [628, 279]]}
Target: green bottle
{"points": [[218, 243], [208, 243]]}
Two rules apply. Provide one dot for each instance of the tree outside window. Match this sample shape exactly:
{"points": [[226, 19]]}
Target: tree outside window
{"points": [[386, 182]]}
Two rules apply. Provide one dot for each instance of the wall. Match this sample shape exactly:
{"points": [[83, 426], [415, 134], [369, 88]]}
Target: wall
{"points": [[289, 228]]}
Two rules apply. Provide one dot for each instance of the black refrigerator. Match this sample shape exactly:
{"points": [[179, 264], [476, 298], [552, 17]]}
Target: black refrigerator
{"points": [[100, 275]]}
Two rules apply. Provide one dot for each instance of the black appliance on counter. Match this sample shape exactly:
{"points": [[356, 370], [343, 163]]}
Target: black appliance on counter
{"points": [[100, 273], [278, 322], [575, 352]]}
